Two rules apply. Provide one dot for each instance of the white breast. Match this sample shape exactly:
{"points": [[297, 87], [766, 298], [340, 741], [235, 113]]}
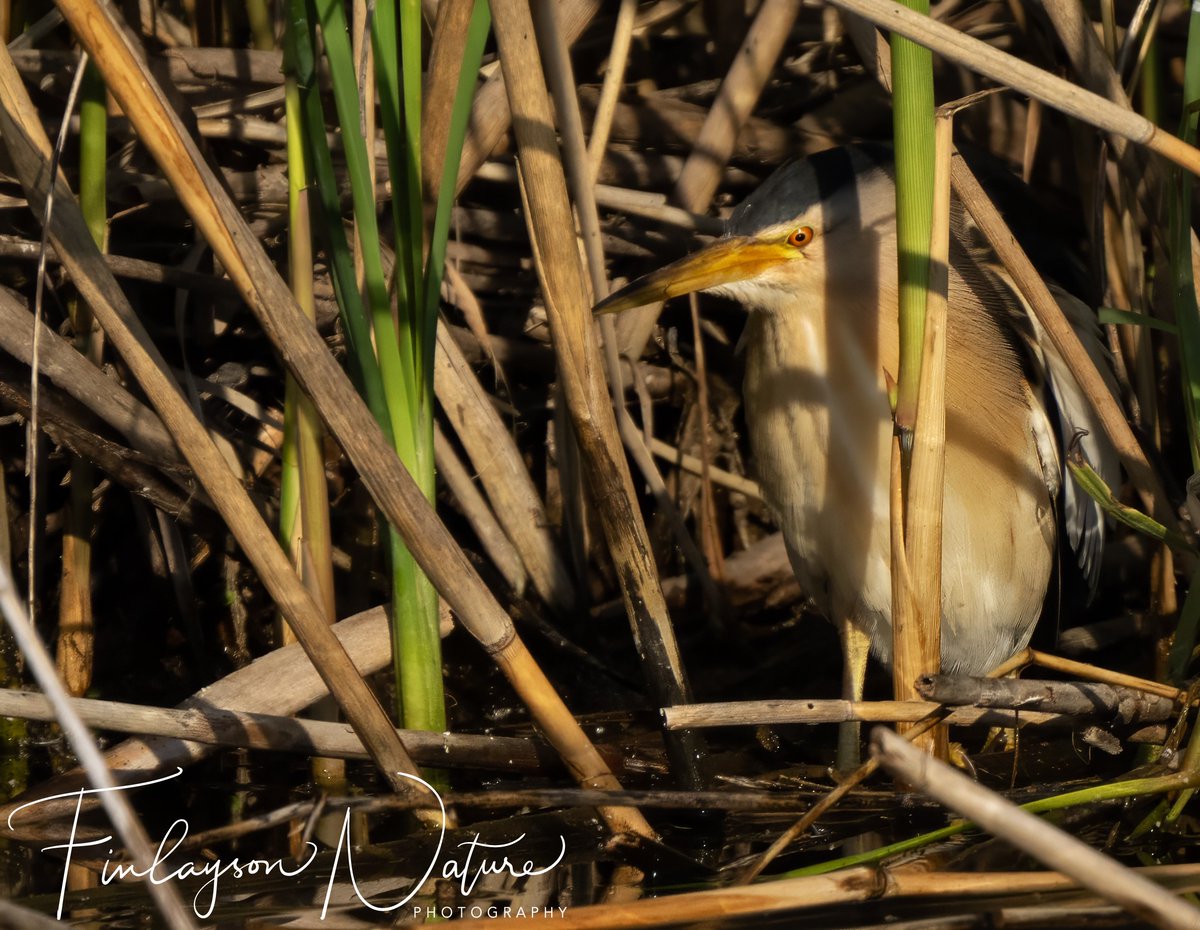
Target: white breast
{"points": [[820, 431]]}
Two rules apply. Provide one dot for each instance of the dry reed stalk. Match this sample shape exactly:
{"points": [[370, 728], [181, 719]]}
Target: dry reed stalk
{"points": [[1089, 672], [618, 58], [917, 648], [575, 157], [560, 76], [475, 508], [132, 268], [621, 199], [828, 802], [976, 891], [364, 76], [635, 445], [1048, 844], [829, 711], [501, 469], [868, 768], [581, 372], [61, 364], [441, 83], [59, 421], [739, 93], [1144, 179], [906, 638], [491, 116], [461, 296], [1087, 56], [1013, 72], [347, 417], [276, 733], [690, 463], [1084, 698], [116, 804], [280, 683]]}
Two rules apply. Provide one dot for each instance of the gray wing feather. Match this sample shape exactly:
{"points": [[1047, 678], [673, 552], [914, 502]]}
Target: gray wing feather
{"points": [[1083, 520]]}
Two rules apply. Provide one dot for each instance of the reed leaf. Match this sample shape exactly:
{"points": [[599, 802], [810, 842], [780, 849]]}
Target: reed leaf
{"points": [[396, 356], [395, 369], [299, 60]]}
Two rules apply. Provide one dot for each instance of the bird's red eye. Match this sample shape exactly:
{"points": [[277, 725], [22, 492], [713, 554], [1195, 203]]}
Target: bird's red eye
{"points": [[800, 237]]}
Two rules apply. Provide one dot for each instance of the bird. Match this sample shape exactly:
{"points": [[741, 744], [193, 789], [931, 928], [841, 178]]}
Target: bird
{"points": [[811, 256]]}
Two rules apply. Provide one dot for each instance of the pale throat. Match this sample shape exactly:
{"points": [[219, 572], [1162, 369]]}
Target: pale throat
{"points": [[842, 328]]}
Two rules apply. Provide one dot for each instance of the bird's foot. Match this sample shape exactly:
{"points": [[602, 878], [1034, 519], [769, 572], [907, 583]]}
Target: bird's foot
{"points": [[849, 748]]}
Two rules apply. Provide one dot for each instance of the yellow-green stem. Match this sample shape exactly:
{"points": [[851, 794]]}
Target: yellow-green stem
{"points": [[1107, 792], [76, 635], [303, 496], [262, 27], [913, 132], [1150, 89], [304, 506]]}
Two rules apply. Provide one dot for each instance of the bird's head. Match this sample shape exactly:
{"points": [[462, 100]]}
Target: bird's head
{"points": [[808, 218]]}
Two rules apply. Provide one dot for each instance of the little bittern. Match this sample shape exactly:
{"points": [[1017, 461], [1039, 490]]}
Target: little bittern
{"points": [[812, 256]]}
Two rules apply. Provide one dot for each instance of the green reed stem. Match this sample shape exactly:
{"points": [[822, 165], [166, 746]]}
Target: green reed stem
{"points": [[1112, 791], [913, 132], [390, 362]]}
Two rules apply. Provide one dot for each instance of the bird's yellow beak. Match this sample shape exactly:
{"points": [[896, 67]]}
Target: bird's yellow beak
{"points": [[726, 261]]}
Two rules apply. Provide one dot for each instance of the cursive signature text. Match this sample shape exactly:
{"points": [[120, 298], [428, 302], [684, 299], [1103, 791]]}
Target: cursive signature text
{"points": [[475, 860]]}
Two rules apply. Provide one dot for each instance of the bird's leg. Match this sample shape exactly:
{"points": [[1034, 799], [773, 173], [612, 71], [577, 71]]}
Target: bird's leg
{"points": [[856, 646]]}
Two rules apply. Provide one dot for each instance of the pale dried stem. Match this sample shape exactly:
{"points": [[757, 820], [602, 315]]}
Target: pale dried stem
{"points": [[821, 712], [274, 732], [720, 476], [622, 199], [491, 116], [581, 372], [116, 804], [1083, 698], [1031, 834], [29, 150], [498, 463], [1088, 57], [868, 768], [739, 93], [561, 78], [1106, 676], [562, 84], [491, 535], [1011, 71], [831, 710], [281, 682], [364, 76], [62, 365], [618, 58], [918, 647], [778, 899], [441, 83]]}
